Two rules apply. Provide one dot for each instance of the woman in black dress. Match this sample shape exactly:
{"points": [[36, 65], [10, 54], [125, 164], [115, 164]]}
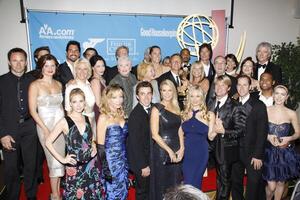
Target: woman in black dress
{"points": [[167, 147]]}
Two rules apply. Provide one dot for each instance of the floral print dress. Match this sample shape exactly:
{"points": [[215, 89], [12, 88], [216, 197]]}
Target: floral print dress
{"points": [[82, 180]]}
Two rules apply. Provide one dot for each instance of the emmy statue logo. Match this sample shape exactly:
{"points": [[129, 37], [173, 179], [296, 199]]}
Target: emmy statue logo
{"points": [[195, 30]]}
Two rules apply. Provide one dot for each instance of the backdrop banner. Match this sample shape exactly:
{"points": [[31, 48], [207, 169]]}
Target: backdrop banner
{"points": [[104, 32]]}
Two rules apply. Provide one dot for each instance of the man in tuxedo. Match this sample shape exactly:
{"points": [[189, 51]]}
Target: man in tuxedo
{"points": [[186, 56], [17, 129], [220, 69], [66, 70], [228, 128], [252, 145], [138, 142], [263, 56], [266, 84]]}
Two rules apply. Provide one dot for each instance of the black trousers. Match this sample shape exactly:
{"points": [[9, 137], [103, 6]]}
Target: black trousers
{"points": [[223, 180], [142, 185], [40, 160], [26, 147], [255, 189]]}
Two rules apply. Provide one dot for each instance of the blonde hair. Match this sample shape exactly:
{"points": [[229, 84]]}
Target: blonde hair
{"points": [[106, 97], [174, 101], [282, 87], [225, 79], [84, 62], [188, 106], [74, 92], [142, 70], [197, 63]]}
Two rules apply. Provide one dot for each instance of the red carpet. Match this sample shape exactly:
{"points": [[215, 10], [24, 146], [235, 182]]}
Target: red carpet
{"points": [[209, 184]]}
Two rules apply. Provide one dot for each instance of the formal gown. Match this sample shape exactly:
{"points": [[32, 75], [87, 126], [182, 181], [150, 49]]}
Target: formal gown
{"points": [[163, 173], [82, 180], [195, 151], [50, 111], [115, 151], [280, 164]]}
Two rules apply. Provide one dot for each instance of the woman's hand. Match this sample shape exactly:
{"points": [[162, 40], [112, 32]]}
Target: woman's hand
{"points": [[273, 140], [284, 142], [70, 159], [179, 154], [46, 132], [172, 156]]}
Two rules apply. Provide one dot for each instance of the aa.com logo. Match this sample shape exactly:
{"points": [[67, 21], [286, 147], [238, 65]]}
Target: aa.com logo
{"points": [[47, 32]]}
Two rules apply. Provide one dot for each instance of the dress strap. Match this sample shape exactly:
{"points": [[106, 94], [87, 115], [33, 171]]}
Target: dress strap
{"points": [[70, 121], [195, 112]]}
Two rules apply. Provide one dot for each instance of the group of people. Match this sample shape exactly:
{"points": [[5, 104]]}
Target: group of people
{"points": [[164, 123]]}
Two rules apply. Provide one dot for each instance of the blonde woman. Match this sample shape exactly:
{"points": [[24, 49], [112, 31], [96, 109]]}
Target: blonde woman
{"points": [[197, 76], [168, 146], [197, 126], [82, 175], [281, 162], [83, 72], [112, 131], [145, 72]]}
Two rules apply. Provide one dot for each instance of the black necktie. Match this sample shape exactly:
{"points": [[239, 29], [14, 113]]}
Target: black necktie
{"points": [[217, 108], [262, 66], [177, 81]]}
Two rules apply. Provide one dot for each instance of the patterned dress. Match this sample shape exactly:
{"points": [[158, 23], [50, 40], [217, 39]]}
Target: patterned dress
{"points": [[82, 180], [115, 151]]}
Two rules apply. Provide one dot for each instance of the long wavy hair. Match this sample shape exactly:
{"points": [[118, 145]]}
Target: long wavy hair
{"points": [[188, 106], [107, 96], [174, 101]]}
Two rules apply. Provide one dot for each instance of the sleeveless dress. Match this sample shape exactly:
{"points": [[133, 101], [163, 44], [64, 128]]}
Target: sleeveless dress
{"points": [[115, 151], [280, 164], [50, 111], [163, 173], [82, 180], [195, 151]]}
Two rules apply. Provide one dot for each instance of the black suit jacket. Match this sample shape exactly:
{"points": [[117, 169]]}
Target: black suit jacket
{"points": [[211, 92], [65, 74], [138, 141], [233, 117], [256, 130], [9, 114], [168, 75], [273, 69]]}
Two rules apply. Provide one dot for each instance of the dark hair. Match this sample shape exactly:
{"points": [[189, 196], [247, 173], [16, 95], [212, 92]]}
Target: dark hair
{"points": [[95, 58], [184, 49], [244, 61], [154, 47], [73, 42], [232, 57], [16, 50], [41, 63], [268, 73], [90, 49], [208, 46], [142, 85], [244, 76], [37, 51]]}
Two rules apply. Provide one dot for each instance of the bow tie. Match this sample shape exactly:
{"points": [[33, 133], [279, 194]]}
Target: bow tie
{"points": [[262, 66]]}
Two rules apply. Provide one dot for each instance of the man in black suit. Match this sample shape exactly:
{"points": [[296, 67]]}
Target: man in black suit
{"points": [[66, 70], [229, 127], [205, 56], [252, 145], [138, 142], [263, 56], [220, 69], [186, 56], [173, 74], [17, 129]]}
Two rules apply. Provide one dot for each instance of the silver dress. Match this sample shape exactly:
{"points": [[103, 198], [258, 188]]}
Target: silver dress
{"points": [[50, 111]]}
